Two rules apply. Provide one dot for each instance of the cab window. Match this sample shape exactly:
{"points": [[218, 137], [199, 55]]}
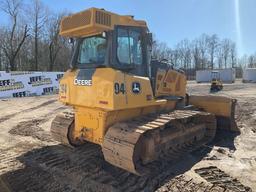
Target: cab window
{"points": [[129, 46], [92, 50]]}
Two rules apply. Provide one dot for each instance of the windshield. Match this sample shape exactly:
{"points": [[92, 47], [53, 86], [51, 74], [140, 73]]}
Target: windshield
{"points": [[129, 50], [92, 50]]}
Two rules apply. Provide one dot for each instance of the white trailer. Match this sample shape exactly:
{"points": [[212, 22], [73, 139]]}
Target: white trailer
{"points": [[249, 75], [203, 76], [226, 75]]}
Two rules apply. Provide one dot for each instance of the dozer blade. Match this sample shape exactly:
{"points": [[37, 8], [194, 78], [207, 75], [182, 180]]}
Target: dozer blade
{"points": [[133, 145], [222, 107]]}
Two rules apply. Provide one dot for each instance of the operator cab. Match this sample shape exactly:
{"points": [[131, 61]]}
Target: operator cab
{"points": [[125, 48]]}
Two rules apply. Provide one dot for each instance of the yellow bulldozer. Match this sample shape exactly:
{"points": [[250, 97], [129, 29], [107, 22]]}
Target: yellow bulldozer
{"points": [[216, 83], [134, 107]]}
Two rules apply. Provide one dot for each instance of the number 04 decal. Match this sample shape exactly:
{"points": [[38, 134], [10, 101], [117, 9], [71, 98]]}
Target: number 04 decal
{"points": [[119, 88]]}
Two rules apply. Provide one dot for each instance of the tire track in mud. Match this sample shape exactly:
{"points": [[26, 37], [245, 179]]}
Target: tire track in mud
{"points": [[218, 177], [246, 113], [8, 157], [16, 184], [5, 118], [84, 169], [32, 127], [184, 184], [13, 171], [59, 168], [245, 109], [7, 160]]}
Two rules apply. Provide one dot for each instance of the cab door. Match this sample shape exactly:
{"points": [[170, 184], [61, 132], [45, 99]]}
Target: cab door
{"points": [[130, 50]]}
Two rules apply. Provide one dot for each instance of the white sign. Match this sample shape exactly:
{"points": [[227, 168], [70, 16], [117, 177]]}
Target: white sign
{"points": [[23, 84]]}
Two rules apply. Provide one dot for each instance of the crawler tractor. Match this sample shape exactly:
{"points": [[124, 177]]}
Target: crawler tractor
{"points": [[216, 83], [135, 108]]}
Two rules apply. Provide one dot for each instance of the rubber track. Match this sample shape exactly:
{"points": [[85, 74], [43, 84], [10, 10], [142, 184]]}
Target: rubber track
{"points": [[218, 177]]}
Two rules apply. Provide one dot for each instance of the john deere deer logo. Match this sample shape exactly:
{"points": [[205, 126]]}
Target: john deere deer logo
{"points": [[136, 87]]}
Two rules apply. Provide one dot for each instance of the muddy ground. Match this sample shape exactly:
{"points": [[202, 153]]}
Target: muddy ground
{"points": [[31, 161]]}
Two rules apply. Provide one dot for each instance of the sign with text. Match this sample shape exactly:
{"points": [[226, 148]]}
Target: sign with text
{"points": [[24, 84]]}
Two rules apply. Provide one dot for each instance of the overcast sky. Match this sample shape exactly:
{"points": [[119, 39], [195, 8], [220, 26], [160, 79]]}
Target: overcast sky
{"points": [[174, 20]]}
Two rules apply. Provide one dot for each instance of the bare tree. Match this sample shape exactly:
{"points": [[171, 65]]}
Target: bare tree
{"points": [[252, 61], [220, 57], [1, 58], [202, 41], [226, 51], [54, 39], [1, 49], [159, 50], [44, 49], [213, 43], [196, 54], [233, 54], [205, 52], [185, 53], [39, 17], [13, 39], [243, 61]]}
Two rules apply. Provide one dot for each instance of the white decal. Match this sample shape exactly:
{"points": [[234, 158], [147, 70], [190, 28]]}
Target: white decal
{"points": [[83, 82], [136, 87]]}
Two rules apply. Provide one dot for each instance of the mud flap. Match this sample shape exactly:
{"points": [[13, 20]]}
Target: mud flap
{"points": [[222, 107]]}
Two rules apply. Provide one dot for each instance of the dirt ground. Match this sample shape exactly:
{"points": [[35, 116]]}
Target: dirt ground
{"points": [[31, 161]]}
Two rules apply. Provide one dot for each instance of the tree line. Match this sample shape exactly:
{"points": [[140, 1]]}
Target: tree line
{"points": [[204, 52], [30, 41]]}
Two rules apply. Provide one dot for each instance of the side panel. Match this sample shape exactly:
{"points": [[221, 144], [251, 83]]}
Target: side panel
{"points": [[170, 83], [107, 89]]}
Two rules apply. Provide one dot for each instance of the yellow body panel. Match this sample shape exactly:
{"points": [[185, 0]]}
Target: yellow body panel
{"points": [[98, 106], [101, 93], [94, 21], [170, 82], [92, 123]]}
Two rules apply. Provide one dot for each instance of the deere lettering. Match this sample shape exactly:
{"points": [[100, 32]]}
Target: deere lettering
{"points": [[83, 82]]}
